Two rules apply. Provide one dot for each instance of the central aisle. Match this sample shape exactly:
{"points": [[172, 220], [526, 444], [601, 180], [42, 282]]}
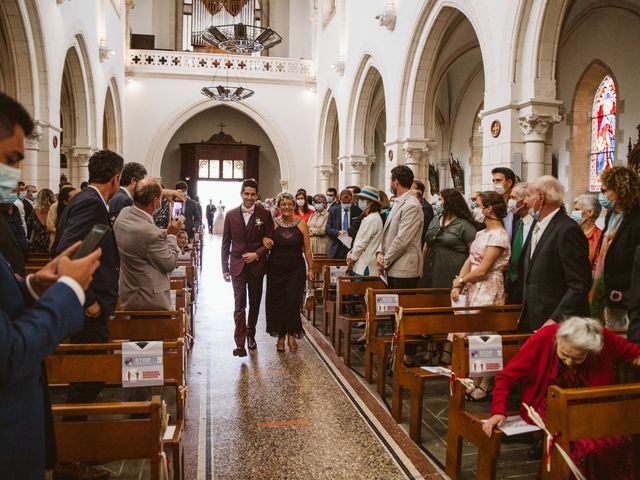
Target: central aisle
{"points": [[269, 415]]}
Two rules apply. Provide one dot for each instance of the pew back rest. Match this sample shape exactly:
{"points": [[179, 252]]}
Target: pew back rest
{"points": [[147, 325], [347, 287], [327, 286], [408, 298]]}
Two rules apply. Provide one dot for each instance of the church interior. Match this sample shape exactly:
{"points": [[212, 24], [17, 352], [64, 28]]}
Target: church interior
{"points": [[319, 95]]}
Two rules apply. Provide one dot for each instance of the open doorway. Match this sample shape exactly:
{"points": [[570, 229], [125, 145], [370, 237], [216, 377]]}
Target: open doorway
{"points": [[224, 193]]}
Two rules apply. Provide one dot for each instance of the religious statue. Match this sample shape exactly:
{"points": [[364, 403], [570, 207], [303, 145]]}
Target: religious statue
{"points": [[457, 174], [434, 181], [633, 156]]}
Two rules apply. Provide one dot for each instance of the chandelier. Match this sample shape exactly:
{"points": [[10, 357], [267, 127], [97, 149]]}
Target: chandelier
{"points": [[241, 39], [227, 94]]}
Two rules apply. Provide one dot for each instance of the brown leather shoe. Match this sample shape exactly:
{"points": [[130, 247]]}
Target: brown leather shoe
{"points": [[293, 345], [79, 471], [280, 344]]}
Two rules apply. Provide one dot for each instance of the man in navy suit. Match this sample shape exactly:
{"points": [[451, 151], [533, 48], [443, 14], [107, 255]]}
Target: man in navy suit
{"points": [[557, 271], [35, 315], [132, 173], [192, 214], [85, 210], [340, 219]]}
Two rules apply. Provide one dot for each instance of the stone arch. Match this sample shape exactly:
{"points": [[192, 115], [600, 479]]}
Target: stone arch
{"points": [[430, 33], [77, 110], [112, 119], [328, 144], [161, 139], [581, 125]]}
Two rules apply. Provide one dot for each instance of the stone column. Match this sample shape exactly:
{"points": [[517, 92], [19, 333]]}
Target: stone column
{"points": [[359, 171], [534, 131], [79, 170], [324, 173], [284, 185], [30, 163]]}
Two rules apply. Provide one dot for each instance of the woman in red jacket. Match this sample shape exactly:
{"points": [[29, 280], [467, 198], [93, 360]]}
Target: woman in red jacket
{"points": [[576, 353]]}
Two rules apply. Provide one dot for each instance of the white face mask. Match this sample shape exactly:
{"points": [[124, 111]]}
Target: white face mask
{"points": [[512, 205], [499, 188], [478, 216], [300, 202], [330, 198], [9, 177]]}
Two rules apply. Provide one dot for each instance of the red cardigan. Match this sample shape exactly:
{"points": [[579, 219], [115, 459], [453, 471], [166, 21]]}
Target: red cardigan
{"points": [[534, 365]]}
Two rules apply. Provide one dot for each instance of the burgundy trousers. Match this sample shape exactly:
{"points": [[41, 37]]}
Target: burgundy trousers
{"points": [[245, 283]]}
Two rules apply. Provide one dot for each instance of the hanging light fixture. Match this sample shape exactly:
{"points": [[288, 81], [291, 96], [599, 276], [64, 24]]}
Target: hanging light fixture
{"points": [[228, 93], [243, 37]]}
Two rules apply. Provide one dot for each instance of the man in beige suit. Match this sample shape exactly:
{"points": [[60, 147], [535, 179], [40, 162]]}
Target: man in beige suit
{"points": [[400, 255], [147, 253]]}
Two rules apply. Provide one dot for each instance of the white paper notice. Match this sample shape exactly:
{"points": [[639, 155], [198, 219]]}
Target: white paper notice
{"points": [[462, 302], [336, 272], [515, 425], [345, 239], [438, 370], [485, 355], [386, 303], [142, 364]]}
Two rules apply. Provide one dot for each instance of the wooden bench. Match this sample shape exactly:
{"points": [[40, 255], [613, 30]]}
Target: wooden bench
{"points": [[111, 439], [147, 325], [594, 412], [412, 322], [328, 299], [350, 292], [102, 362], [465, 425], [319, 261], [378, 345]]}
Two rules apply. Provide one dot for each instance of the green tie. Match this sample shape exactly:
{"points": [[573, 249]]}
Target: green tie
{"points": [[517, 250]]}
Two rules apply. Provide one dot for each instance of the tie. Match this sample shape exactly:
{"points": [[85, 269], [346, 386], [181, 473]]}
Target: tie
{"points": [[535, 237], [345, 220], [517, 251]]}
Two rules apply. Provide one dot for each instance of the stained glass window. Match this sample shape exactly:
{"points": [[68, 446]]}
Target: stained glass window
{"points": [[603, 131]]}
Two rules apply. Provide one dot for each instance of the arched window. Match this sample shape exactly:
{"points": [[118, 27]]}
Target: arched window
{"points": [[603, 131]]}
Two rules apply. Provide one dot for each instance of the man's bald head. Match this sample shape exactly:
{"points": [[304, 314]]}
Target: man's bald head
{"points": [[147, 191]]}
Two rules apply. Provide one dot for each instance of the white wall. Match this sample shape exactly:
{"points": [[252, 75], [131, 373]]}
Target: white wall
{"points": [[156, 17]]}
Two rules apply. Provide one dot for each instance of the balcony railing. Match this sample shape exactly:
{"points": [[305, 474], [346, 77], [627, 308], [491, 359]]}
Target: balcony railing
{"points": [[161, 62]]}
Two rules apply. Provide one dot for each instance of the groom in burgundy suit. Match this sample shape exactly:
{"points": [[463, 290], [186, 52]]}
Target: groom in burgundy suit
{"points": [[244, 261]]}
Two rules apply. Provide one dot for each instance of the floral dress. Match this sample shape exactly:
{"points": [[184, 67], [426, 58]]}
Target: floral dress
{"points": [[489, 290]]}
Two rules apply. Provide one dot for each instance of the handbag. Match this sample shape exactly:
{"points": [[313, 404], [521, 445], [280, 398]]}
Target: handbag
{"points": [[310, 298]]}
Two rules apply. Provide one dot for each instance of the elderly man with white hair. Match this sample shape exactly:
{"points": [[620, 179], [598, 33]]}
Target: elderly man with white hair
{"points": [[557, 272], [577, 353]]}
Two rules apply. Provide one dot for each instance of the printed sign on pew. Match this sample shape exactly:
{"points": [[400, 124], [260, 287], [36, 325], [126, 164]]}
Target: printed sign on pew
{"points": [[485, 355], [142, 364], [386, 303]]}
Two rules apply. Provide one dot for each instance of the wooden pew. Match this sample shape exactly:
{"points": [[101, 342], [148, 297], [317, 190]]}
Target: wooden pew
{"points": [[328, 298], [593, 412], [412, 322], [378, 345], [465, 425], [147, 325], [111, 439], [319, 262], [346, 289], [102, 362]]}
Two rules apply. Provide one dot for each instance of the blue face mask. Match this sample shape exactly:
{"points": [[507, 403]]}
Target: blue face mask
{"points": [[535, 215], [605, 202], [473, 205], [318, 206], [346, 206], [438, 208], [577, 216], [22, 195], [9, 177], [363, 204]]}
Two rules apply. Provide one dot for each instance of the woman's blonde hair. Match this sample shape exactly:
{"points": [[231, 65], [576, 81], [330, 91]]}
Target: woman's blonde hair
{"points": [[582, 333], [282, 195]]}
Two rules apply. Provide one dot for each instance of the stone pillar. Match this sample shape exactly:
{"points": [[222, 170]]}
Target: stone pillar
{"points": [[284, 185], [534, 131], [324, 174], [79, 168], [359, 170], [30, 163]]}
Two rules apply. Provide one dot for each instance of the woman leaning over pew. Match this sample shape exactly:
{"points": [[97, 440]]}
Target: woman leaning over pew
{"points": [[576, 353]]}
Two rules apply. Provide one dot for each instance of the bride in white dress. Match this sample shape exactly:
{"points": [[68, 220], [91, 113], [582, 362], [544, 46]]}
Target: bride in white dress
{"points": [[218, 222]]}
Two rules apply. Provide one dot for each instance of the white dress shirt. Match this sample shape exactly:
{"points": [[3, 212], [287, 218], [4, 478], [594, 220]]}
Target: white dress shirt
{"points": [[246, 214], [539, 229]]}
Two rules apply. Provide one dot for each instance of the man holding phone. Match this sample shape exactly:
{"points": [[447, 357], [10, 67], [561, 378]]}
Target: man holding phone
{"points": [[35, 315], [85, 210]]}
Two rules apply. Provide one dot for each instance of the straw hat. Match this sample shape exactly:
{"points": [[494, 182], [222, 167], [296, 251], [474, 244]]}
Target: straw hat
{"points": [[369, 193]]}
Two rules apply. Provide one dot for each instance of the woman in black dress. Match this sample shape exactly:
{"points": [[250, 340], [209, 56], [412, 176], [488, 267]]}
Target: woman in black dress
{"points": [[286, 274]]}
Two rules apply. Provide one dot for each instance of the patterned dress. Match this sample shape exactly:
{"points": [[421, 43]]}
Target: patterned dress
{"points": [[489, 290], [39, 240]]}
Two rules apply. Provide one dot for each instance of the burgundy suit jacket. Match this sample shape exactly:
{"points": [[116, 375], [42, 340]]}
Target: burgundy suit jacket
{"points": [[238, 239]]}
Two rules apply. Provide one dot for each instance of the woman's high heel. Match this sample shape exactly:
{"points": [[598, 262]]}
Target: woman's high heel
{"points": [[293, 345], [280, 344]]}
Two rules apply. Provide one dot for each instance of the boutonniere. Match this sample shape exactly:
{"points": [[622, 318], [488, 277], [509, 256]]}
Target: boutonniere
{"points": [[258, 223]]}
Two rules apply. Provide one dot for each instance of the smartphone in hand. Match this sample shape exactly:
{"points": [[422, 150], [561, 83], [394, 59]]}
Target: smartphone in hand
{"points": [[177, 211], [92, 241]]}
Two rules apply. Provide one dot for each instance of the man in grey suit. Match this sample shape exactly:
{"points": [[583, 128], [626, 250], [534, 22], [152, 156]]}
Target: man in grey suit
{"points": [[400, 251], [147, 253]]}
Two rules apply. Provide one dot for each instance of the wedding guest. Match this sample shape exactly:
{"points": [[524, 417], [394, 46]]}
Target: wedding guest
{"points": [[317, 226], [132, 173], [302, 209], [362, 256], [586, 210], [481, 278], [519, 242], [67, 192], [39, 240], [620, 195], [338, 223], [286, 275], [577, 353]]}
